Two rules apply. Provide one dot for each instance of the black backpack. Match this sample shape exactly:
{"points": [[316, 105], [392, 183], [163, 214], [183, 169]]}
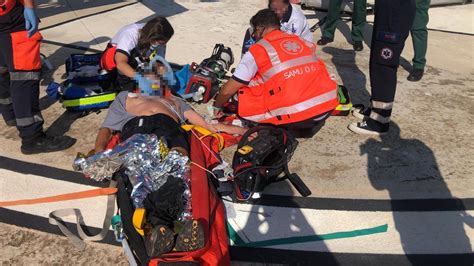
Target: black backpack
{"points": [[262, 158]]}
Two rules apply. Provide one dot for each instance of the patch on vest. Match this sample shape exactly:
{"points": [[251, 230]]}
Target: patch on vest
{"points": [[386, 53], [291, 47]]}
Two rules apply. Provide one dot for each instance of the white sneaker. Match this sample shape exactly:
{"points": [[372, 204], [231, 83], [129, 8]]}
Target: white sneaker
{"points": [[360, 112], [364, 129]]}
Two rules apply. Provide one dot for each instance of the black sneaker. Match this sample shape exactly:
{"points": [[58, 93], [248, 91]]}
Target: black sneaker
{"points": [[160, 240], [358, 46], [416, 75], [360, 111], [369, 127], [43, 143], [191, 236], [324, 41]]}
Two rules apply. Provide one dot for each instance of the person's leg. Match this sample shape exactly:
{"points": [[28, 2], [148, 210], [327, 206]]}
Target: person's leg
{"points": [[358, 22], [24, 65], [419, 35], [6, 107], [24, 89], [393, 21], [307, 128], [333, 16]]}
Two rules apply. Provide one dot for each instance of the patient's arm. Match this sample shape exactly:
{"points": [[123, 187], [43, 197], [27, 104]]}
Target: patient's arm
{"points": [[103, 137], [196, 119]]}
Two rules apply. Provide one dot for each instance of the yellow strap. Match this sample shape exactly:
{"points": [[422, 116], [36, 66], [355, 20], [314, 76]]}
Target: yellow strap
{"points": [[138, 220], [89, 100], [205, 133], [344, 107]]}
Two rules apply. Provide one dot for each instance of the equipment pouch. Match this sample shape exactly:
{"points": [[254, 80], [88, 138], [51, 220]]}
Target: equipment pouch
{"points": [[26, 51]]}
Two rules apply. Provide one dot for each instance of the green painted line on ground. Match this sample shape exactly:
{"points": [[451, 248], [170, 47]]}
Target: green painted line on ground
{"points": [[238, 241]]}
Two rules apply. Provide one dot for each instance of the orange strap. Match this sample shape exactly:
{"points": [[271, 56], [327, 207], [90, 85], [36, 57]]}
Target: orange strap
{"points": [[63, 197]]}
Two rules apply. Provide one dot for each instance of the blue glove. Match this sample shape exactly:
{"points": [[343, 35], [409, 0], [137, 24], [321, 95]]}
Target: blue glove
{"points": [[31, 21], [249, 43], [144, 84]]}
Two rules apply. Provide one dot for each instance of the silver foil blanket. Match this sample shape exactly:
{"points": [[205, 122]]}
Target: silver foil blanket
{"points": [[147, 163]]}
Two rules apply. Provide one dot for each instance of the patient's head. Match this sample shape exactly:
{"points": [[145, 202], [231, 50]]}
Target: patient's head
{"points": [[157, 76]]}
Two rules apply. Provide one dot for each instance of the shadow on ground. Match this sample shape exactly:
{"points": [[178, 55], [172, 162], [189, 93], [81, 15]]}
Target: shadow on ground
{"points": [[393, 164], [266, 223], [351, 76]]}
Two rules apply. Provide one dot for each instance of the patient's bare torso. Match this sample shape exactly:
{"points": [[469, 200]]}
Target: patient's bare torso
{"points": [[151, 105]]}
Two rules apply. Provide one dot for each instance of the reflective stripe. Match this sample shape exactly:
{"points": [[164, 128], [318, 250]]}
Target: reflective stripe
{"points": [[379, 118], [255, 82], [6, 101], [320, 99], [382, 105], [3, 70], [89, 100], [289, 64], [24, 76], [272, 53], [311, 46], [23, 122]]}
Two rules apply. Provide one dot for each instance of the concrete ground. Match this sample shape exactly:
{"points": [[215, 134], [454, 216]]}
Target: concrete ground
{"points": [[427, 154]]}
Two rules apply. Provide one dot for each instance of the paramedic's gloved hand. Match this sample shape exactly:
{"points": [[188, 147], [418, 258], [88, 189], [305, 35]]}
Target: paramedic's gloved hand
{"points": [[144, 84], [31, 21]]}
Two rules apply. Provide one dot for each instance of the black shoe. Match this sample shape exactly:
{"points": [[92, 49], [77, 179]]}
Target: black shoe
{"points": [[358, 46], [160, 240], [416, 74], [369, 127], [43, 143], [324, 41], [191, 237]]}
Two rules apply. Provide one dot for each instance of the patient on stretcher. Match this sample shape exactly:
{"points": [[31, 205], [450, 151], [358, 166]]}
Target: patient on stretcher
{"points": [[149, 112]]}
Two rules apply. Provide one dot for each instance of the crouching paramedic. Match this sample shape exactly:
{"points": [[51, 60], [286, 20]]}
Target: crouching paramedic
{"points": [[280, 81], [154, 111], [134, 45], [20, 67]]}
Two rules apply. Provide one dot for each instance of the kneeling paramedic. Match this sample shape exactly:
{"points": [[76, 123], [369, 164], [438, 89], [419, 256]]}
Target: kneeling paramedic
{"points": [[20, 67], [133, 46], [154, 110], [280, 81]]}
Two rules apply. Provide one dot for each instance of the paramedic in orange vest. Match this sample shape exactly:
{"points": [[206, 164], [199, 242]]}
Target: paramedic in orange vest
{"points": [[20, 67], [280, 80]]}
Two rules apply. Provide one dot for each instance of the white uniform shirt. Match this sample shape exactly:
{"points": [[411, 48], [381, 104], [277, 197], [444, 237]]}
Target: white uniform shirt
{"points": [[292, 23], [127, 39], [297, 24]]}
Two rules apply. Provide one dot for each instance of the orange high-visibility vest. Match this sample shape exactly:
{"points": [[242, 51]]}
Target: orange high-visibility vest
{"points": [[6, 7], [291, 83]]}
